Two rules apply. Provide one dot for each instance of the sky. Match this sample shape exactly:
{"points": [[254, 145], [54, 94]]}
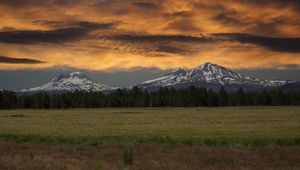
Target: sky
{"points": [[136, 40]]}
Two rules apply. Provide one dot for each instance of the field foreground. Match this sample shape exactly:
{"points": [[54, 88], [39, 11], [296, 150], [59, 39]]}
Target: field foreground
{"points": [[151, 138], [209, 126], [146, 157]]}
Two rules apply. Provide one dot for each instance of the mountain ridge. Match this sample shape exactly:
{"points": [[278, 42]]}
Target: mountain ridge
{"points": [[209, 74], [70, 82]]}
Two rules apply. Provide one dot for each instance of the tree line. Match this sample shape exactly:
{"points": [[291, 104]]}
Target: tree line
{"points": [[135, 97]]}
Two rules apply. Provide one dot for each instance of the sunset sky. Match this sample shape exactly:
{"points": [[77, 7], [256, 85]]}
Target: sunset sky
{"points": [[121, 35]]}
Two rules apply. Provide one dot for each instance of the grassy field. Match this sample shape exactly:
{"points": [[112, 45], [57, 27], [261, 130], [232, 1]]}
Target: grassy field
{"points": [[208, 126], [146, 157], [151, 138]]}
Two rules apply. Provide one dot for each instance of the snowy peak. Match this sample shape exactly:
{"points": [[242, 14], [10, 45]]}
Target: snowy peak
{"points": [[209, 73], [213, 70], [174, 77], [208, 65], [213, 73], [71, 77], [70, 82]]}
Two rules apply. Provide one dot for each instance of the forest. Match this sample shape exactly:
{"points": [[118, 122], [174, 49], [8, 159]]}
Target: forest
{"points": [[135, 97]]}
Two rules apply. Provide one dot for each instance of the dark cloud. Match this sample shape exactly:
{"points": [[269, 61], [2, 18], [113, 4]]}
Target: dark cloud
{"points": [[173, 49], [178, 14], [160, 45], [78, 24], [179, 43], [146, 5], [11, 60], [136, 38], [184, 25], [66, 2], [53, 36], [280, 4], [269, 27], [19, 2], [72, 32], [23, 3], [92, 25], [168, 49], [54, 24], [214, 7], [230, 17], [280, 44], [295, 3], [181, 21]]}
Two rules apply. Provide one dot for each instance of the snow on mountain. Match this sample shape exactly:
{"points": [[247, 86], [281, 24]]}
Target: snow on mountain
{"points": [[212, 74], [70, 82], [173, 78], [206, 75]]}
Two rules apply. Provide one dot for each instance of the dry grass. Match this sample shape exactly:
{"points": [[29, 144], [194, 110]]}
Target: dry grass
{"points": [[151, 138], [209, 126], [62, 156]]}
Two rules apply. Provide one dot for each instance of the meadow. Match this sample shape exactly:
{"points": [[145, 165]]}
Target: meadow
{"points": [[209, 126], [151, 138]]}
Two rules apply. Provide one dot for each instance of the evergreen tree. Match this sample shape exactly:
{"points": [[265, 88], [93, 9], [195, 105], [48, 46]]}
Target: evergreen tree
{"points": [[240, 97], [164, 97], [223, 97]]}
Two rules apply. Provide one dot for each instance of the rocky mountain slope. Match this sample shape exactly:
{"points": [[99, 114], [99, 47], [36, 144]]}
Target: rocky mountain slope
{"points": [[70, 82], [209, 74]]}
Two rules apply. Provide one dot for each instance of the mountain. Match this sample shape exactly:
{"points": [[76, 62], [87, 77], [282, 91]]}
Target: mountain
{"points": [[70, 82], [211, 76], [291, 87], [207, 75]]}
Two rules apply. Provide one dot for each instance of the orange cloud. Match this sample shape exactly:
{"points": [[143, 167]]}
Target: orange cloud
{"points": [[124, 34]]}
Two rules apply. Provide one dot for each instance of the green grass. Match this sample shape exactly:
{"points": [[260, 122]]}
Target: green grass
{"points": [[253, 126]]}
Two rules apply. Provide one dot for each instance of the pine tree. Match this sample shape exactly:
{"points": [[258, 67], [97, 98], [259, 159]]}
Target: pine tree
{"points": [[240, 97], [223, 97]]}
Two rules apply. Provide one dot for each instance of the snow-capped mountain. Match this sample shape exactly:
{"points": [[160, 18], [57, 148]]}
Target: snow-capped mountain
{"points": [[70, 82], [209, 74]]}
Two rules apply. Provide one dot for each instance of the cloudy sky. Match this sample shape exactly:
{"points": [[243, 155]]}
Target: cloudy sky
{"points": [[117, 36]]}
